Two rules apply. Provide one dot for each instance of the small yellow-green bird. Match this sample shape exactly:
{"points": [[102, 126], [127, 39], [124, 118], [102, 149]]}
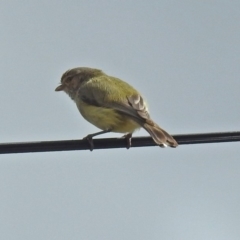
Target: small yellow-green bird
{"points": [[111, 105]]}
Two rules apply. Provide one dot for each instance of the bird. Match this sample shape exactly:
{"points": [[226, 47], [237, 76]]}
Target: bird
{"points": [[111, 104]]}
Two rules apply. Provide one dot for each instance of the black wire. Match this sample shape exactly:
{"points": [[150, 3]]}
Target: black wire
{"points": [[104, 143]]}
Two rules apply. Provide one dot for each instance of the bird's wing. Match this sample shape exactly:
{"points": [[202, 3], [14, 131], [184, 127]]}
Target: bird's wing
{"points": [[116, 94]]}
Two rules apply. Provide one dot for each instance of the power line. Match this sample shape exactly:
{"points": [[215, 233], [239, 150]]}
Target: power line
{"points": [[104, 143]]}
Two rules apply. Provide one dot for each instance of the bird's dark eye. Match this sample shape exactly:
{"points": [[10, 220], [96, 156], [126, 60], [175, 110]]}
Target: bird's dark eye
{"points": [[68, 80]]}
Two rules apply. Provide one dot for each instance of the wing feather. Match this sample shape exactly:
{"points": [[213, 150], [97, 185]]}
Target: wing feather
{"points": [[117, 95]]}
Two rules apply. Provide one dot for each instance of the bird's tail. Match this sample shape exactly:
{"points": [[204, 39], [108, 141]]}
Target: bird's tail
{"points": [[160, 137]]}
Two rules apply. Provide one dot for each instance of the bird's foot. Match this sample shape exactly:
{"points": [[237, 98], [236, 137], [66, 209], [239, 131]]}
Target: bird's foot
{"points": [[89, 138], [128, 138]]}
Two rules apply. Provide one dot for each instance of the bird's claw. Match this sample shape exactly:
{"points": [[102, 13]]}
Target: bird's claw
{"points": [[90, 141], [128, 138]]}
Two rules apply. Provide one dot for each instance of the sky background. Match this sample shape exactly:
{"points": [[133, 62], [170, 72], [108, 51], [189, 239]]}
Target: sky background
{"points": [[183, 56]]}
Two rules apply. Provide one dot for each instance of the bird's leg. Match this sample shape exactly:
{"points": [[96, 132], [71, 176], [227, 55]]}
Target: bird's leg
{"points": [[128, 138], [90, 136]]}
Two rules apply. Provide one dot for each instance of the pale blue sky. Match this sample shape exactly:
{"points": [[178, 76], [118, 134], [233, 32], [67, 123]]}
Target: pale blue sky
{"points": [[183, 56]]}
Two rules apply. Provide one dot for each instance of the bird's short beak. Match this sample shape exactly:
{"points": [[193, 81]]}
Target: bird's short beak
{"points": [[60, 88]]}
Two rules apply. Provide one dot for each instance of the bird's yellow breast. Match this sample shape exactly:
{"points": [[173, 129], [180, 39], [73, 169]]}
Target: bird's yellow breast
{"points": [[106, 118]]}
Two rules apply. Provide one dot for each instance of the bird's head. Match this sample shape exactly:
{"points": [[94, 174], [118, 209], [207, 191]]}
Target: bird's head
{"points": [[72, 79]]}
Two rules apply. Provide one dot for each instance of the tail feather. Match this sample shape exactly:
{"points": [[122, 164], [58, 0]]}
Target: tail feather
{"points": [[160, 136]]}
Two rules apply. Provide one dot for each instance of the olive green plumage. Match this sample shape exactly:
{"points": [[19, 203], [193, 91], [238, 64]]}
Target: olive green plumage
{"points": [[111, 104]]}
